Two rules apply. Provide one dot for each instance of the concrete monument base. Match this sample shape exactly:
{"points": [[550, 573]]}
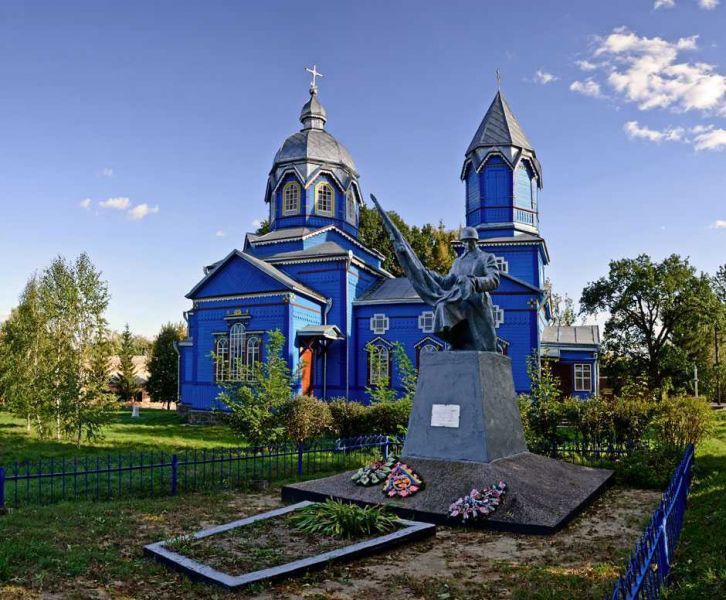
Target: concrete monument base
{"points": [[465, 432], [543, 494], [465, 408]]}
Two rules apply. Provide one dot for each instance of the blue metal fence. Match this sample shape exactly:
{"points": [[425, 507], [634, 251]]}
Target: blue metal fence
{"points": [[650, 563], [163, 473]]}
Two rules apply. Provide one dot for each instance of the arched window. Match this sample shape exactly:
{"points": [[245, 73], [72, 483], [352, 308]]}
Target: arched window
{"points": [[379, 365], [427, 344], [253, 357], [236, 350], [221, 363], [324, 199], [350, 206], [291, 199]]}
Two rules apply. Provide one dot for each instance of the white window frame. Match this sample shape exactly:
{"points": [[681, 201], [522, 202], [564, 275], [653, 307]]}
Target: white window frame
{"points": [[236, 351], [252, 356], [291, 192], [426, 321], [498, 314], [502, 264], [324, 185], [350, 207], [380, 323], [379, 365], [582, 373], [221, 363]]}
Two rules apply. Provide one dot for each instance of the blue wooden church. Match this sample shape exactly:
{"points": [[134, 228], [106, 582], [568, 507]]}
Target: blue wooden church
{"points": [[328, 294]]}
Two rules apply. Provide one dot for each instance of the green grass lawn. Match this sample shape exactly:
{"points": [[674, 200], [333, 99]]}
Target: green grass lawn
{"points": [[700, 559], [154, 430]]}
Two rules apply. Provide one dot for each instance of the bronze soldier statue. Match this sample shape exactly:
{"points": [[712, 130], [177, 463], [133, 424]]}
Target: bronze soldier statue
{"points": [[462, 307]]}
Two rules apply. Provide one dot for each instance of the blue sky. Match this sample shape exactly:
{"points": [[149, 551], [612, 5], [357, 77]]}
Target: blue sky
{"points": [[169, 113]]}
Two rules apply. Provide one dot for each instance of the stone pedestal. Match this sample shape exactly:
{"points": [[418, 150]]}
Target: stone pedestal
{"points": [[465, 409]]}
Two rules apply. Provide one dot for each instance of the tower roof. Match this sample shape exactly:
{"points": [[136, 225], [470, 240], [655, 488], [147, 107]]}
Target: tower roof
{"points": [[499, 128]]}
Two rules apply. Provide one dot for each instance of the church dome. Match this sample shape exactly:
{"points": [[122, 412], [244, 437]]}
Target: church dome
{"points": [[313, 143]]}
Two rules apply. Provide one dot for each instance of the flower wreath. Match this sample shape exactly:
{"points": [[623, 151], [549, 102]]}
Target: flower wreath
{"points": [[402, 481], [375, 472], [478, 503]]}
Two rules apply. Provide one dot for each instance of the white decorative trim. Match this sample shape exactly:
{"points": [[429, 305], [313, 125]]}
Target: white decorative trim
{"points": [[498, 315], [389, 301], [242, 297], [380, 323], [423, 318], [502, 264]]}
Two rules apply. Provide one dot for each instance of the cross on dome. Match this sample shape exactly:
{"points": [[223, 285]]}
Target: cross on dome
{"points": [[315, 73]]}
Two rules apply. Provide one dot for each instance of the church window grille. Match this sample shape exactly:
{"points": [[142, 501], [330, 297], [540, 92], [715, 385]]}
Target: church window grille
{"points": [[324, 198], [379, 365], [379, 324], [253, 357], [583, 377], [291, 199], [236, 351], [350, 207], [426, 322], [502, 264], [498, 315], [221, 363]]}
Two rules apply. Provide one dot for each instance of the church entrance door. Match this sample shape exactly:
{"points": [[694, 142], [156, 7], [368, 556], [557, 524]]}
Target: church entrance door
{"points": [[306, 371]]}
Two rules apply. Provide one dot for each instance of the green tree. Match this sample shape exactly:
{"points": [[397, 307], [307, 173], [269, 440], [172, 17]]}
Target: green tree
{"points": [[125, 381], [74, 299], [163, 384], [563, 307], [646, 301], [256, 401], [432, 244]]}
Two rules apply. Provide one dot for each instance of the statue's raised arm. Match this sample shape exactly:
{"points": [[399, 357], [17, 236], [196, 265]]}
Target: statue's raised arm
{"points": [[462, 307]]}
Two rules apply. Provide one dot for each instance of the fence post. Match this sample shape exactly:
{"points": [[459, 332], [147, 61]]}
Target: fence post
{"points": [[174, 461], [300, 449], [385, 449], [2, 491]]}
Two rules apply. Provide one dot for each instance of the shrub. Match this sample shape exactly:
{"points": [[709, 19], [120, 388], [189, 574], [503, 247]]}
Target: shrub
{"points": [[341, 520], [683, 420], [306, 417], [631, 417], [595, 420], [350, 419], [255, 404], [389, 417], [648, 467]]}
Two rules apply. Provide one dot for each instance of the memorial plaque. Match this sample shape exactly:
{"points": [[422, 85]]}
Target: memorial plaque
{"points": [[445, 415]]}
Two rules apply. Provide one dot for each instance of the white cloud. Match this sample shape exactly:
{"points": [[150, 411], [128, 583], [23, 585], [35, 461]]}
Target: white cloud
{"points": [[709, 138], [220, 233], [704, 4], [585, 65], [708, 4], [85, 203], [256, 223], [106, 172], [718, 224], [140, 211], [671, 134], [651, 73], [664, 4], [701, 137], [544, 77], [115, 203], [589, 87]]}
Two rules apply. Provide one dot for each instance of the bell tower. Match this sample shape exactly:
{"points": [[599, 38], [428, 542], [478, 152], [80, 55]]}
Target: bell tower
{"points": [[502, 175]]}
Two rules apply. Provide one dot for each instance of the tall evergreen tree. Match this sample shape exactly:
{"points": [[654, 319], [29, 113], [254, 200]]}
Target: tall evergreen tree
{"points": [[163, 384], [125, 380]]}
